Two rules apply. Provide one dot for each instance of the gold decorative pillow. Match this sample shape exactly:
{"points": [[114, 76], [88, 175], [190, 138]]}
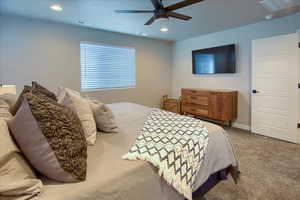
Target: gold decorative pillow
{"points": [[51, 137]]}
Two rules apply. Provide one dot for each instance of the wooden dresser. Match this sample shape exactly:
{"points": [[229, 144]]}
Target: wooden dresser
{"points": [[218, 105]]}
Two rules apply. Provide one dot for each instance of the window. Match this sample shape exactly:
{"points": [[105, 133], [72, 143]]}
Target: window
{"points": [[105, 67]]}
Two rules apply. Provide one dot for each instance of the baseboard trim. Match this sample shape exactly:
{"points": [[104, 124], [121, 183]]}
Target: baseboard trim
{"points": [[241, 126]]}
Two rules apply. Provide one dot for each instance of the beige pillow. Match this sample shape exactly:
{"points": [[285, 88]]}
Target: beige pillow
{"points": [[16, 176], [81, 107], [104, 117], [61, 93], [4, 110], [10, 99], [51, 137], [7, 144]]}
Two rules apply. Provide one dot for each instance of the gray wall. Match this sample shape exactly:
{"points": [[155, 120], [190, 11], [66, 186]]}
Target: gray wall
{"points": [[49, 53], [182, 60]]}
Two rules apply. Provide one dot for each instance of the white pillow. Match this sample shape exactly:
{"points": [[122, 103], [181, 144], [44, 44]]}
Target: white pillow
{"points": [[81, 107], [104, 117]]}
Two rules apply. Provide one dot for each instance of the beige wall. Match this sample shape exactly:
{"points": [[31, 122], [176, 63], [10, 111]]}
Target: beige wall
{"points": [[182, 60], [49, 53]]}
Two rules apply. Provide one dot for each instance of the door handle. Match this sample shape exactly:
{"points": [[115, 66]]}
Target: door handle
{"points": [[255, 91]]}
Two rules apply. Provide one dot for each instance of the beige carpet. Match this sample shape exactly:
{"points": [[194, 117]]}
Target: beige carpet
{"points": [[270, 170]]}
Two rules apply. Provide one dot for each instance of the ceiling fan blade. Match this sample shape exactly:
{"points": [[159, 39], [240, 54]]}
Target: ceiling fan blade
{"points": [[134, 11], [179, 16], [157, 3], [150, 21], [182, 4]]}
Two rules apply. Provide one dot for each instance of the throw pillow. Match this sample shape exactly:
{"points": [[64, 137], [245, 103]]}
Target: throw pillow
{"points": [[61, 93], [10, 99], [4, 110], [104, 117], [13, 110], [81, 107], [43, 90], [17, 178], [51, 137]]}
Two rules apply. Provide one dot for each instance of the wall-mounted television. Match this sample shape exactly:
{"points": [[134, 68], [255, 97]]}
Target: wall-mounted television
{"points": [[216, 60]]}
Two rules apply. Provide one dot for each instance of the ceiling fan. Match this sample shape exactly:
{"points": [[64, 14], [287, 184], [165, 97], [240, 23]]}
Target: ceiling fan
{"points": [[164, 12]]}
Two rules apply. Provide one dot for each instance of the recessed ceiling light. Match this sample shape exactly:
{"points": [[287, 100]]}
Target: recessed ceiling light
{"points": [[80, 22], [56, 7], [164, 29], [268, 17], [144, 34]]}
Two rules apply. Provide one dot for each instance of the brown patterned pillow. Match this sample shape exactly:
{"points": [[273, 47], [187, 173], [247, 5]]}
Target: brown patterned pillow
{"points": [[36, 89], [43, 90], [51, 137]]}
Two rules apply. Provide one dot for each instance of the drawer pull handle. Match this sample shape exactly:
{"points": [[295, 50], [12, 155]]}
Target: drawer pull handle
{"points": [[193, 97]]}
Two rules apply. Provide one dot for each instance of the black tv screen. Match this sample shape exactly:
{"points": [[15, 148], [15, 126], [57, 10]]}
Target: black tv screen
{"points": [[216, 60]]}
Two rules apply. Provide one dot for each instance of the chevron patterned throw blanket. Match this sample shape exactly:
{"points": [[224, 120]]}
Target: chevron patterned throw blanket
{"points": [[175, 144]]}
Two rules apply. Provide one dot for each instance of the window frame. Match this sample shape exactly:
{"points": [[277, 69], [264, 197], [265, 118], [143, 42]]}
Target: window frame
{"points": [[113, 46]]}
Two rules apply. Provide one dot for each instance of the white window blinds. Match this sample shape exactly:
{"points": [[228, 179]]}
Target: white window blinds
{"points": [[104, 67]]}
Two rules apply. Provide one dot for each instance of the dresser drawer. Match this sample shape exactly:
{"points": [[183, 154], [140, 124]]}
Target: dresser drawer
{"points": [[200, 100], [194, 109], [213, 104], [191, 92]]}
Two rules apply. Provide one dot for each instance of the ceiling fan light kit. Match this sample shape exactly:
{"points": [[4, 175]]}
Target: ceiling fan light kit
{"points": [[164, 12]]}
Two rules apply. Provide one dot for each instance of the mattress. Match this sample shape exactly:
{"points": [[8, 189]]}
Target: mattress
{"points": [[111, 178]]}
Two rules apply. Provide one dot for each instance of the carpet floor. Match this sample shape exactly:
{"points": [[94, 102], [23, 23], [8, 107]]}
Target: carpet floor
{"points": [[270, 170]]}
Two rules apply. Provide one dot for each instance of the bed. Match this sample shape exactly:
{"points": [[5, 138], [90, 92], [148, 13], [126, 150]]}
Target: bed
{"points": [[111, 178]]}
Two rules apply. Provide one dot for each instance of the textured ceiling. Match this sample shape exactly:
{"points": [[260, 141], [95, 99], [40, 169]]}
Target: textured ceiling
{"points": [[208, 16]]}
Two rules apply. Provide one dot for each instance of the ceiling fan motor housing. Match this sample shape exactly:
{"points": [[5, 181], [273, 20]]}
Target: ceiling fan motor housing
{"points": [[165, 12], [161, 13]]}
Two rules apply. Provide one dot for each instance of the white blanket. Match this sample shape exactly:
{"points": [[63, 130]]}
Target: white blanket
{"points": [[175, 144]]}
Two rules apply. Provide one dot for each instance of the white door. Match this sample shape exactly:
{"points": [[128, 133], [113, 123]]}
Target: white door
{"points": [[275, 69]]}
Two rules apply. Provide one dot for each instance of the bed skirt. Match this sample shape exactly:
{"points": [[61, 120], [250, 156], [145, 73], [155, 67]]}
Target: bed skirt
{"points": [[212, 180]]}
